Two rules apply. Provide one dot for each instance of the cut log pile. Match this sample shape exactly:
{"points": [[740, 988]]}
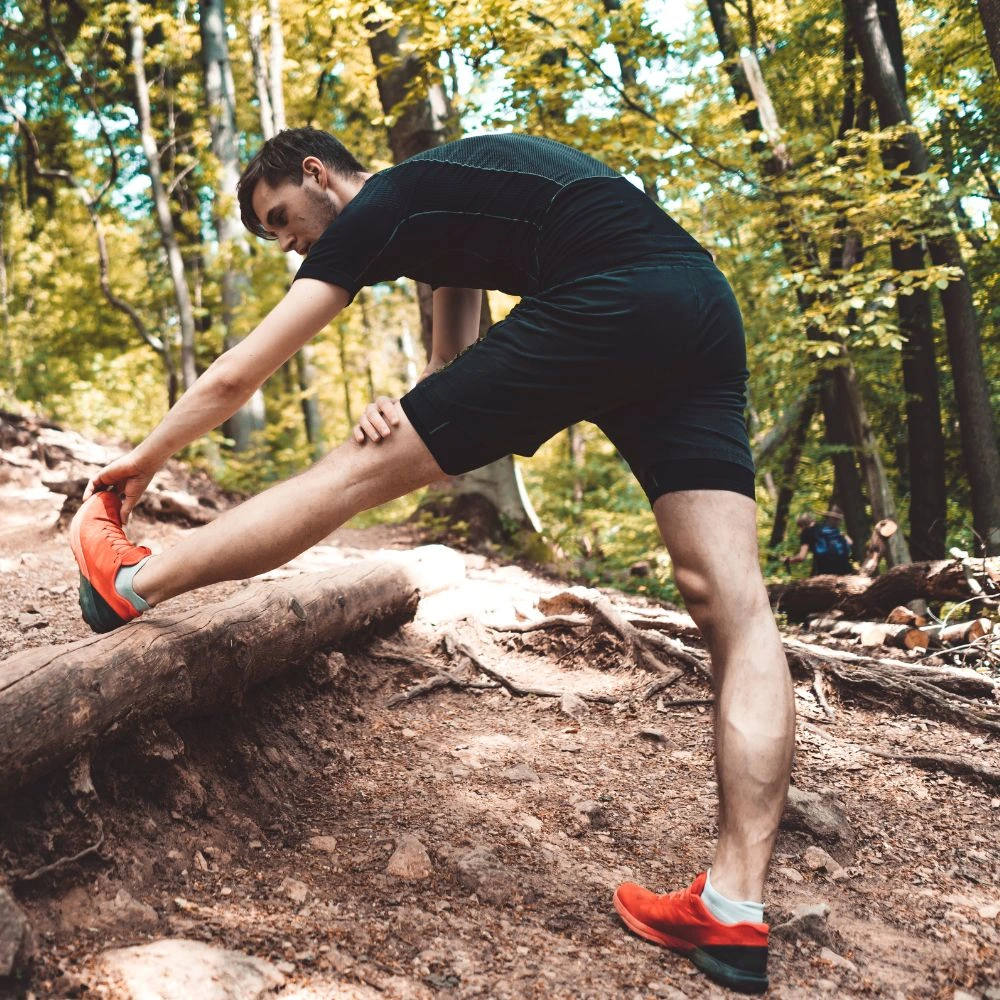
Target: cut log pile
{"points": [[862, 598]]}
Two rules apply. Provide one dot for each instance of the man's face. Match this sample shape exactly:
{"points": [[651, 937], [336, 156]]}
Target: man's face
{"points": [[296, 214]]}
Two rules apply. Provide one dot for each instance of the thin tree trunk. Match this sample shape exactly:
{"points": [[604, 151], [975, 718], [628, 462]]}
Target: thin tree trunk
{"points": [[422, 122], [989, 12], [628, 70], [924, 435], [220, 96], [574, 440], [759, 118], [786, 490], [976, 422], [268, 74], [182, 294]]}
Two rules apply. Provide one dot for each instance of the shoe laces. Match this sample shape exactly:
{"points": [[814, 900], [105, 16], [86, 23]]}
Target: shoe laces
{"points": [[114, 533]]}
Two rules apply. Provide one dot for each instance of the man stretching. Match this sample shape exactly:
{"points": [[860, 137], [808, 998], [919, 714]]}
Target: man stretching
{"points": [[624, 320]]}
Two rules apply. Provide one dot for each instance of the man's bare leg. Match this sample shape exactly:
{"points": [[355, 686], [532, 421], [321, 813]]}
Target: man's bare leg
{"points": [[281, 522], [712, 539]]}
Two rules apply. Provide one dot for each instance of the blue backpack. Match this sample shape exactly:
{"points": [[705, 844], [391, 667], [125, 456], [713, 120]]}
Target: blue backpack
{"points": [[831, 553]]}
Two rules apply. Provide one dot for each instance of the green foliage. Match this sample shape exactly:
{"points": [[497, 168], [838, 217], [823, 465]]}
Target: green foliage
{"points": [[653, 101]]}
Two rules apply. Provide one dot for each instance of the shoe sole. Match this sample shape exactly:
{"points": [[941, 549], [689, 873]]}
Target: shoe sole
{"points": [[95, 610], [719, 972]]}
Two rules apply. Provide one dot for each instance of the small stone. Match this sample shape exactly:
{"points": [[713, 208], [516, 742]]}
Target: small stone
{"points": [[480, 871], [327, 844], [16, 943], [410, 859], [962, 995], [818, 860], [832, 958], [653, 735], [792, 875], [807, 920], [286, 968], [409, 733], [826, 985], [26, 622], [296, 891], [200, 861], [521, 774], [529, 822], [641, 568], [593, 813], [820, 813], [573, 705]]}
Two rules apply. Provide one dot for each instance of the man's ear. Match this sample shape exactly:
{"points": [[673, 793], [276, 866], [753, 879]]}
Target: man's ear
{"points": [[313, 166]]}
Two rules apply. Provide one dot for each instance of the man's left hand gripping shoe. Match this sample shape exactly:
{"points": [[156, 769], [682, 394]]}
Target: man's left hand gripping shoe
{"points": [[734, 955], [101, 549]]}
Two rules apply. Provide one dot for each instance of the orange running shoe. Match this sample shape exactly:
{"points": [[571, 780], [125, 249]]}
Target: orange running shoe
{"points": [[101, 549], [734, 955]]}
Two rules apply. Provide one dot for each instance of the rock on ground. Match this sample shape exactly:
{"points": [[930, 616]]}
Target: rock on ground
{"points": [[178, 969], [15, 936], [410, 859]]}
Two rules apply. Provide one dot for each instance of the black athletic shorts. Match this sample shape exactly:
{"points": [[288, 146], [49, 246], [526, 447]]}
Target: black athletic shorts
{"points": [[653, 353]]}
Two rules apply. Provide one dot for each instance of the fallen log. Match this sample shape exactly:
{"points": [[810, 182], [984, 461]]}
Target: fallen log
{"points": [[60, 701], [860, 597], [959, 634], [900, 636]]}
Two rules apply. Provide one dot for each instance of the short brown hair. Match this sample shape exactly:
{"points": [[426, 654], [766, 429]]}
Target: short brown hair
{"points": [[280, 159]]}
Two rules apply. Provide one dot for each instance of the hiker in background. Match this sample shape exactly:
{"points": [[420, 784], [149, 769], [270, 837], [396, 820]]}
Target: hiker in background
{"points": [[830, 547]]}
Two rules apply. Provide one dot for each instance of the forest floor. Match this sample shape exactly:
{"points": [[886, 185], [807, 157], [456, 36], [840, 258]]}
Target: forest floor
{"points": [[272, 834]]}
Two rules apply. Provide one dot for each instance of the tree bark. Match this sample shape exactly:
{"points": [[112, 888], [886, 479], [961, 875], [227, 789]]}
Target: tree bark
{"points": [[759, 118], [989, 12], [860, 596], [924, 436], [161, 204], [786, 490], [268, 72], [220, 96], [980, 450], [423, 119], [59, 701]]}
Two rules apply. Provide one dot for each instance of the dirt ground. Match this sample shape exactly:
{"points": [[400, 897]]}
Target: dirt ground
{"points": [[271, 833]]}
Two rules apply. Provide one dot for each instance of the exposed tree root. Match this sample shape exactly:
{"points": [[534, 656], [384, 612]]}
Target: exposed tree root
{"points": [[952, 763]]}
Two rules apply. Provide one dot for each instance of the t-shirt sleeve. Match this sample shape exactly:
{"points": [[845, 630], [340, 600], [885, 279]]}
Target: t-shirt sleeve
{"points": [[807, 536], [349, 247]]}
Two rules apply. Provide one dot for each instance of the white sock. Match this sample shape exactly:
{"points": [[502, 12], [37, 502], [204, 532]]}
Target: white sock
{"points": [[123, 585], [729, 911]]}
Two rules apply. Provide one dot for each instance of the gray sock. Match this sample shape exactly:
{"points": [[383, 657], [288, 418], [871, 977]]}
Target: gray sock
{"points": [[730, 911], [123, 585]]}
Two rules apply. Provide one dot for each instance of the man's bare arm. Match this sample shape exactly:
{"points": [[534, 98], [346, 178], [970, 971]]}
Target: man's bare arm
{"points": [[226, 384], [456, 323]]}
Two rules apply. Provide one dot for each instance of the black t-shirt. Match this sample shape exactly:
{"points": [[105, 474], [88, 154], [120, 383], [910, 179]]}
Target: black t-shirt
{"points": [[513, 212]]}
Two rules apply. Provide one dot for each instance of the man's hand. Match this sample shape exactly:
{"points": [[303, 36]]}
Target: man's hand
{"points": [[377, 421], [128, 476]]}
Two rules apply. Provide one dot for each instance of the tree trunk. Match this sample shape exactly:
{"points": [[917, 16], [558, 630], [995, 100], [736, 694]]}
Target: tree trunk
{"points": [[268, 72], [924, 436], [627, 66], [879, 490], [195, 662], [989, 12], [182, 294], [423, 119], [978, 433], [220, 96], [796, 444], [940, 580], [759, 118]]}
